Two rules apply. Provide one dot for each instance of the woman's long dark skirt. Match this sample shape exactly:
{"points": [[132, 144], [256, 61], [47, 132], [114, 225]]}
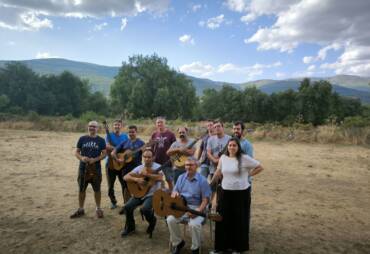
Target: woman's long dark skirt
{"points": [[232, 233]]}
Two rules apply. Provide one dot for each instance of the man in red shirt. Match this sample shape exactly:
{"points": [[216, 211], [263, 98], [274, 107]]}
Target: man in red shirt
{"points": [[163, 138]]}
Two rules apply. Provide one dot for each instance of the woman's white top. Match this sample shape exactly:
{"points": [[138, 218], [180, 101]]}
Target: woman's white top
{"points": [[232, 178]]}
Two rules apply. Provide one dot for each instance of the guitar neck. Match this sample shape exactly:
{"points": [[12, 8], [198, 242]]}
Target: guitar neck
{"points": [[187, 209]]}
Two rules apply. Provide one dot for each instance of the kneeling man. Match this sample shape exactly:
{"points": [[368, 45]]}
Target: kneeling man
{"points": [[196, 191]]}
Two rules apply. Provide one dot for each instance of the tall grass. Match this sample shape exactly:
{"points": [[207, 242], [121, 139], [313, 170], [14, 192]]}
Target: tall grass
{"points": [[354, 134]]}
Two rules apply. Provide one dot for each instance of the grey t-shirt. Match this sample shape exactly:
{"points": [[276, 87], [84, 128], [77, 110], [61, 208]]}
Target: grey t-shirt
{"points": [[178, 144], [157, 185], [216, 145]]}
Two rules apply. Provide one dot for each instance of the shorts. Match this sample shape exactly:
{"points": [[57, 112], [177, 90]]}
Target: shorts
{"points": [[95, 183]]}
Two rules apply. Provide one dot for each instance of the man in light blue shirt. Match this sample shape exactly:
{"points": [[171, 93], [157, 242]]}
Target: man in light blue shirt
{"points": [[196, 191], [238, 130]]}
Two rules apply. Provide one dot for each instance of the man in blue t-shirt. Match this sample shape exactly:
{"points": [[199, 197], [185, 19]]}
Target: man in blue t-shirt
{"points": [[91, 149], [133, 147], [114, 138]]}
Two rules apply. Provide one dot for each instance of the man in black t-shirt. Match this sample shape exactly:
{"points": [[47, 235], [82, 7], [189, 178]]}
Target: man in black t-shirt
{"points": [[91, 149]]}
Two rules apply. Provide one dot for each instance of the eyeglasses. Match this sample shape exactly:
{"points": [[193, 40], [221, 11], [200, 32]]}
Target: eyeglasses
{"points": [[189, 164], [92, 126]]}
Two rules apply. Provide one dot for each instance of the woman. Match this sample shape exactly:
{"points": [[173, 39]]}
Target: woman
{"points": [[234, 167]]}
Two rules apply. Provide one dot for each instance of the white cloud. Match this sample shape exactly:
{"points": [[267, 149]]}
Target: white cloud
{"points": [[198, 68], [321, 55], [100, 27], [332, 24], [33, 15], [248, 18], [355, 60], [213, 23], [308, 59], [186, 39], [196, 7], [206, 70], [311, 67], [236, 5], [123, 23], [41, 55]]}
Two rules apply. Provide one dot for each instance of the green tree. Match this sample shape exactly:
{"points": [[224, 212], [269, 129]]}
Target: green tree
{"points": [[146, 86]]}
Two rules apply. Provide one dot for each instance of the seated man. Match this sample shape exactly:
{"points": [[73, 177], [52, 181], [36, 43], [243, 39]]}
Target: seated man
{"points": [[196, 191], [151, 170]]}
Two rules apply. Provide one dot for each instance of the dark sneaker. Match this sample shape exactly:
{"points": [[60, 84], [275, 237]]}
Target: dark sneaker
{"points": [[196, 251], [99, 213], [77, 214], [177, 248], [113, 206]]}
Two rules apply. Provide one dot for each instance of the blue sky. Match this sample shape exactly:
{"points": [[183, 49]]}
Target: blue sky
{"points": [[226, 40]]}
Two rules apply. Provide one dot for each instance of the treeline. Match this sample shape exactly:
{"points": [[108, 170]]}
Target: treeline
{"points": [[313, 103], [146, 87], [22, 91]]}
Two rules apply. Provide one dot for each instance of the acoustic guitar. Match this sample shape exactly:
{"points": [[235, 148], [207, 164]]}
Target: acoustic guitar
{"points": [[140, 190], [90, 172], [128, 155], [165, 205], [178, 159]]}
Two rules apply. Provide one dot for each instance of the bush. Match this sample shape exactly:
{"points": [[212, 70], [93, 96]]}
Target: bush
{"points": [[33, 116], [356, 121], [90, 116]]}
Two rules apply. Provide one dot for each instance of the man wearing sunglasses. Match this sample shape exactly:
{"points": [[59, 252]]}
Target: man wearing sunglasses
{"points": [[91, 149]]}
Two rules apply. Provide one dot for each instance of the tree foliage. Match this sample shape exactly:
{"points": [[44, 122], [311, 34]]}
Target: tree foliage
{"points": [[24, 90], [146, 86]]}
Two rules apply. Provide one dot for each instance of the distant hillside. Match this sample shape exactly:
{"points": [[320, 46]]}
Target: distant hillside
{"points": [[101, 77]]}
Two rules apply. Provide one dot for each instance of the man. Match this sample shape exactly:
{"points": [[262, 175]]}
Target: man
{"points": [[152, 170], [180, 147], [114, 139], [202, 152], [163, 139], [216, 145], [238, 130], [196, 191], [91, 149], [132, 144]]}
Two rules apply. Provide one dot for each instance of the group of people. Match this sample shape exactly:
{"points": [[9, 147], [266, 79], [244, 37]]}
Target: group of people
{"points": [[216, 178]]}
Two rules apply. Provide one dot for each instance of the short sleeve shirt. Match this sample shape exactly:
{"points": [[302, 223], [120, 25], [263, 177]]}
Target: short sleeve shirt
{"points": [[178, 144], [216, 145], [193, 190], [157, 185], [132, 145], [233, 177], [163, 143], [91, 147]]}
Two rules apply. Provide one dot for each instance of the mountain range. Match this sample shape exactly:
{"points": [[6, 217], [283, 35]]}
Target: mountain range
{"points": [[101, 77]]}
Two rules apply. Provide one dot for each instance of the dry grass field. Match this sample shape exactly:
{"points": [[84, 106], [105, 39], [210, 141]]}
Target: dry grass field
{"points": [[312, 198]]}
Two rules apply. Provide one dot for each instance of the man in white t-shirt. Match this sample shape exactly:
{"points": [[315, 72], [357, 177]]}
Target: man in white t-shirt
{"points": [[148, 169]]}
